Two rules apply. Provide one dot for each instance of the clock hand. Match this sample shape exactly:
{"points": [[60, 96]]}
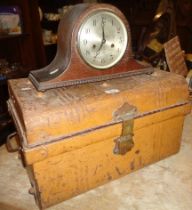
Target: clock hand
{"points": [[103, 38], [101, 45], [103, 31]]}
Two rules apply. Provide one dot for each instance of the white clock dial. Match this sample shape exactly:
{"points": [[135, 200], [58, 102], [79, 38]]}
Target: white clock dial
{"points": [[102, 39]]}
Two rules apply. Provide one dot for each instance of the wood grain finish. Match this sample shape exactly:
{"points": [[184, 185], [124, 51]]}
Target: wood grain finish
{"points": [[61, 167], [65, 111], [63, 176]]}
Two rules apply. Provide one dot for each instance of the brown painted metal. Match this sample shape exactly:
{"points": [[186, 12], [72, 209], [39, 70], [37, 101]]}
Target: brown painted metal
{"points": [[67, 135], [62, 107], [21, 132], [71, 69]]}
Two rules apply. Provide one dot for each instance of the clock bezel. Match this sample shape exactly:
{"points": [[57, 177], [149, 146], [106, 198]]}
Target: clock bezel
{"points": [[125, 32]]}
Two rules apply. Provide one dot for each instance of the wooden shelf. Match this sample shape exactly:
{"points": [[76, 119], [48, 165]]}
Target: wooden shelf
{"points": [[26, 49], [14, 36], [49, 44]]}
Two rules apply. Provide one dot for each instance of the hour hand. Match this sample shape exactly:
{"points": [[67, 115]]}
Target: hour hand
{"points": [[98, 51], [101, 45]]}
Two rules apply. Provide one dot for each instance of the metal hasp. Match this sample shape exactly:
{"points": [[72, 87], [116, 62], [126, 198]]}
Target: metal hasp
{"points": [[125, 143]]}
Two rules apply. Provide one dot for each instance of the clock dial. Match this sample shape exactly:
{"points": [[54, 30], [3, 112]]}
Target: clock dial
{"points": [[102, 39]]}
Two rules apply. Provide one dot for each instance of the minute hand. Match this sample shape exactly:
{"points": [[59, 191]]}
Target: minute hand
{"points": [[103, 38], [103, 32]]}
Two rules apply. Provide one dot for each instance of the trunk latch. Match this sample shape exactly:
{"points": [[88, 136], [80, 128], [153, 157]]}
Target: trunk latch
{"points": [[124, 143]]}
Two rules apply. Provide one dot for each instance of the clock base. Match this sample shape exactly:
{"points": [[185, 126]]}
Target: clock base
{"points": [[44, 85]]}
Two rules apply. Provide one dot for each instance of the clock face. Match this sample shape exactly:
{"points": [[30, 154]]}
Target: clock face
{"points": [[102, 39]]}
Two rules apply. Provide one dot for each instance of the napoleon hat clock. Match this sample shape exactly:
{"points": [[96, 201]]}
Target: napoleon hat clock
{"points": [[94, 44]]}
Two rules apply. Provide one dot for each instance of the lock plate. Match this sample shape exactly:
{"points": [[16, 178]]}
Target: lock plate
{"points": [[125, 142]]}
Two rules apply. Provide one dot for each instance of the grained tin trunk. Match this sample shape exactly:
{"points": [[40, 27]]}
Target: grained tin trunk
{"points": [[76, 138]]}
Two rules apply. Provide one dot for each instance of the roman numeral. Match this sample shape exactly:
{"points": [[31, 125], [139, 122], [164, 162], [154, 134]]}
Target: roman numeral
{"points": [[85, 42], [94, 22], [87, 30]]}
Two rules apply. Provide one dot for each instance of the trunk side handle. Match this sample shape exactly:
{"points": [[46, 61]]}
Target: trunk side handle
{"points": [[11, 143]]}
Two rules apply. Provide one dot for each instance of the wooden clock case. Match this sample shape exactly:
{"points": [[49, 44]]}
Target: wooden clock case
{"points": [[68, 68]]}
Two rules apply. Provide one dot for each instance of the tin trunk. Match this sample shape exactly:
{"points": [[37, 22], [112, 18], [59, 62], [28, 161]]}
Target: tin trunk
{"points": [[76, 138]]}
